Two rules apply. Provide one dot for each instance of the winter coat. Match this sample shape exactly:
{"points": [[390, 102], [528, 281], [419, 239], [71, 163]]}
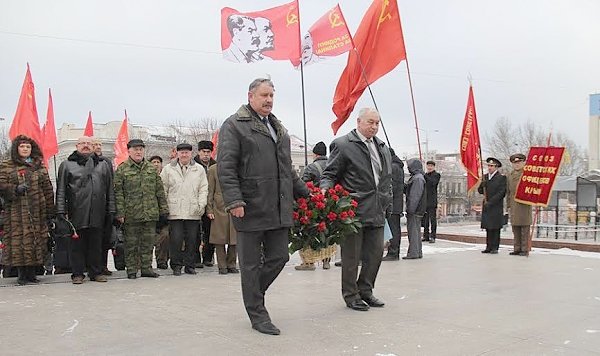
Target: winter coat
{"points": [[185, 192], [210, 163], [520, 214], [312, 172], [494, 190], [25, 217], [432, 179], [350, 165], [139, 192], [221, 228], [84, 190], [397, 185], [256, 172], [416, 195]]}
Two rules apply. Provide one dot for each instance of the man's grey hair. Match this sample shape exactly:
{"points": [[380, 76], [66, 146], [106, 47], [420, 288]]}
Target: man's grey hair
{"points": [[258, 81], [366, 111], [237, 22]]}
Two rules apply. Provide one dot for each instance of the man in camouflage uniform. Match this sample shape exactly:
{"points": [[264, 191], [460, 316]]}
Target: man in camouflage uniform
{"points": [[141, 204]]}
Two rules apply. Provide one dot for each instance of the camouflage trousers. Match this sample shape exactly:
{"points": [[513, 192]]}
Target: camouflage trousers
{"points": [[139, 243]]}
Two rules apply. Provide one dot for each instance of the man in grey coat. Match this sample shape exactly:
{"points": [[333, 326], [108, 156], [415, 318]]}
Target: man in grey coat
{"points": [[416, 204], [258, 184], [362, 164], [395, 213]]}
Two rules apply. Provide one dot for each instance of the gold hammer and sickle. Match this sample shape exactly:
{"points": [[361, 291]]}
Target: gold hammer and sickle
{"points": [[335, 20], [291, 17], [384, 16]]}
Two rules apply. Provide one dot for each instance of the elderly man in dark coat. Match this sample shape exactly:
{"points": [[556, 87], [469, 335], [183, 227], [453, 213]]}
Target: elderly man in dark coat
{"points": [[85, 195], [493, 188], [258, 184], [395, 213], [362, 164]]}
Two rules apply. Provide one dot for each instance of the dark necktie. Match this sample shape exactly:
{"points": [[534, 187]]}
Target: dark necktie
{"points": [[374, 156]]}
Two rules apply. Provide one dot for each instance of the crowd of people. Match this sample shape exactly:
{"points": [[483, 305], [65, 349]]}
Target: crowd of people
{"points": [[191, 207]]}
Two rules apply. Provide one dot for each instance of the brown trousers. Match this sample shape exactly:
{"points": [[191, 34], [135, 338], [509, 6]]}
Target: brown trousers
{"points": [[521, 238], [162, 246], [226, 259]]}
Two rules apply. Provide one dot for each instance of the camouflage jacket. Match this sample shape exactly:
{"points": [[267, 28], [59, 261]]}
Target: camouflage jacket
{"points": [[139, 192]]}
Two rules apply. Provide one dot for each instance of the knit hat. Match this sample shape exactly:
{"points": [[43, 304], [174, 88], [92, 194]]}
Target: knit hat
{"points": [[320, 149]]}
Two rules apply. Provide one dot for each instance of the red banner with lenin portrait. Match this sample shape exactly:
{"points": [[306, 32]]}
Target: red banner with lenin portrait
{"points": [[539, 174], [271, 34]]}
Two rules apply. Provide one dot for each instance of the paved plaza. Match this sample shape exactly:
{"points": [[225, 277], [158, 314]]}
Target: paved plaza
{"points": [[455, 301]]}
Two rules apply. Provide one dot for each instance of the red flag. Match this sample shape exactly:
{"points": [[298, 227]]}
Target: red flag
{"points": [[470, 146], [215, 142], [50, 144], [328, 37], [89, 126], [261, 35], [120, 147], [379, 48], [26, 120]]}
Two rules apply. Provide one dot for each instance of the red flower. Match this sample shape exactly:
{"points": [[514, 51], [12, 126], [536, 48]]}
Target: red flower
{"points": [[22, 172], [354, 203], [343, 215], [351, 213], [309, 213], [296, 215], [301, 201], [316, 190], [303, 206], [310, 185], [2, 245], [74, 236], [331, 191], [321, 227], [338, 188], [304, 220], [332, 216], [345, 193], [320, 205], [334, 197]]}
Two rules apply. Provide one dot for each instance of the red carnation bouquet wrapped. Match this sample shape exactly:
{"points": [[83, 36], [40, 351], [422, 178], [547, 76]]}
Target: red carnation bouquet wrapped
{"points": [[322, 221]]}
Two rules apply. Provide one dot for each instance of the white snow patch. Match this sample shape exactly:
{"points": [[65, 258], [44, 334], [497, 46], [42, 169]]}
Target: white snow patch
{"points": [[567, 342], [402, 297], [71, 328], [592, 331]]}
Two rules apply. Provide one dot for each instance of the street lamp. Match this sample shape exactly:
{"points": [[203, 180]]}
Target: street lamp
{"points": [[427, 141]]}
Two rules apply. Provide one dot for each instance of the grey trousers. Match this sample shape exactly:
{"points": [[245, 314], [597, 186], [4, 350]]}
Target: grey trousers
{"points": [[521, 238], [272, 246], [413, 226], [368, 243]]}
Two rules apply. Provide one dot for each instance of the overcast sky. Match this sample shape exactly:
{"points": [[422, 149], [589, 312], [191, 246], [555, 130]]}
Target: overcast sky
{"points": [[161, 60]]}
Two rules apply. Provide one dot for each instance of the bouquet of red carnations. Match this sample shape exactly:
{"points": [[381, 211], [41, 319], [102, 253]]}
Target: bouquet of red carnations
{"points": [[323, 220]]}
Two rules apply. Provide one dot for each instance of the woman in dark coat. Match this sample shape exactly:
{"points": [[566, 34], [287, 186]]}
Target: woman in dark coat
{"points": [[29, 204]]}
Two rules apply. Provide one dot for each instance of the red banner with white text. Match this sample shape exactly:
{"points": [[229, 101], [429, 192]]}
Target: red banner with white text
{"points": [[539, 174]]}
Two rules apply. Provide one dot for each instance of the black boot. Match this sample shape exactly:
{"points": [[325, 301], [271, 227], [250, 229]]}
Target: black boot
{"points": [[22, 276], [31, 274], [392, 255]]}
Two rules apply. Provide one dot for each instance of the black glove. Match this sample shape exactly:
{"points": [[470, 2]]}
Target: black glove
{"points": [[162, 220], [21, 189]]}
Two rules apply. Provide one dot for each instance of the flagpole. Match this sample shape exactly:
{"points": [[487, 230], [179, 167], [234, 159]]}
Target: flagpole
{"points": [[412, 97], [55, 170], [304, 113]]}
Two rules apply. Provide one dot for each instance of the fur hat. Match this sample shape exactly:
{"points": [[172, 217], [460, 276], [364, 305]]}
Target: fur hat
{"points": [[205, 145], [320, 149]]}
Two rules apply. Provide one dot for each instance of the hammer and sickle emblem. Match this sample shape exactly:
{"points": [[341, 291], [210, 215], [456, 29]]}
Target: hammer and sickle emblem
{"points": [[335, 20], [383, 16], [291, 17]]}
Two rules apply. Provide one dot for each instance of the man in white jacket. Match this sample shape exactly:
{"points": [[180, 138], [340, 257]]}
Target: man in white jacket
{"points": [[186, 188]]}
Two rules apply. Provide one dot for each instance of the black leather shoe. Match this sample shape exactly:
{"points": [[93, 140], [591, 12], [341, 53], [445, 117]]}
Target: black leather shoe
{"points": [[523, 253], [358, 304], [162, 266], [266, 327], [374, 302], [389, 257], [198, 265], [431, 241], [208, 263], [233, 270], [410, 257], [222, 270], [485, 251], [515, 253], [132, 276], [190, 270], [150, 274], [425, 239], [338, 263], [177, 272], [494, 252]]}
